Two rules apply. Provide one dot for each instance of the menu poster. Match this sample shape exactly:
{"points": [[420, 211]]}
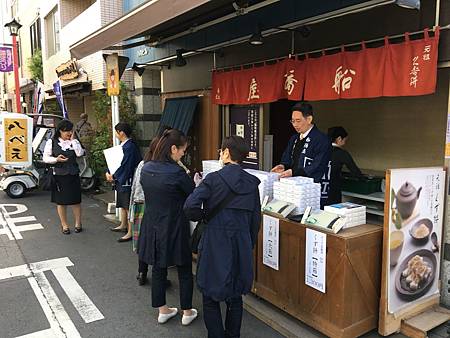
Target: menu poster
{"points": [[415, 231], [315, 259], [271, 233]]}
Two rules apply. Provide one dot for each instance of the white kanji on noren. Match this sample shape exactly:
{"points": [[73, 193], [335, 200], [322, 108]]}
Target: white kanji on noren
{"points": [[253, 90], [289, 83], [341, 80]]}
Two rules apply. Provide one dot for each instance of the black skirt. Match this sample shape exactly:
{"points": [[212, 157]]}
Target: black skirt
{"points": [[67, 190], [123, 199]]}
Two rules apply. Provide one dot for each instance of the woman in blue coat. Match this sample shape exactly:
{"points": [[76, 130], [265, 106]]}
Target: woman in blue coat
{"points": [[225, 264], [164, 236]]}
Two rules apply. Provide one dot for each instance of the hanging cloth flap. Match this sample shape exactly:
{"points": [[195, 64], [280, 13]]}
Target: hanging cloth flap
{"points": [[179, 113]]}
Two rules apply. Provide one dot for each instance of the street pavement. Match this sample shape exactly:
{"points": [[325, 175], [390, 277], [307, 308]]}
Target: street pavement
{"points": [[83, 285], [79, 285]]}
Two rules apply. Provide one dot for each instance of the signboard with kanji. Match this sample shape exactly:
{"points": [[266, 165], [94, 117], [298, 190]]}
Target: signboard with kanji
{"points": [[16, 135], [315, 259], [413, 224]]}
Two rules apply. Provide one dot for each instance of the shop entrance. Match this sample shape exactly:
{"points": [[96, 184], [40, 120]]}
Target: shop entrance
{"points": [[280, 127]]}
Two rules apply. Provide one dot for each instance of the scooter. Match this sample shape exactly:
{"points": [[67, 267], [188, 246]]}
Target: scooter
{"points": [[17, 181]]}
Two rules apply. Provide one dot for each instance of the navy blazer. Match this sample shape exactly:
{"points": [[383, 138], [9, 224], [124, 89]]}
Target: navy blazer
{"points": [[314, 160], [131, 158]]}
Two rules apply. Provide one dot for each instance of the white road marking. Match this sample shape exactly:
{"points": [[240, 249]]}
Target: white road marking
{"points": [[60, 323], [87, 310], [9, 225]]}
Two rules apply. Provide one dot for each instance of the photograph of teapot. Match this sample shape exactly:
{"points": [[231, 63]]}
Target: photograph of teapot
{"points": [[406, 199]]}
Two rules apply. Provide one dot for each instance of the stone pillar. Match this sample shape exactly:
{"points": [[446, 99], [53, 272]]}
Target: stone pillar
{"points": [[148, 105]]}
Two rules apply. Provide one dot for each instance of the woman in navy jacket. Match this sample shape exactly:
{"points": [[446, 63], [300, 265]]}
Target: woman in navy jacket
{"points": [[123, 177], [164, 237], [225, 264]]}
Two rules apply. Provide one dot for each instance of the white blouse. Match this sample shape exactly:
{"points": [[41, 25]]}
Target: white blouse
{"points": [[65, 145]]}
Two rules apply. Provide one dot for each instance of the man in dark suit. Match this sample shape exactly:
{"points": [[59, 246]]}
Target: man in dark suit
{"points": [[308, 152]]}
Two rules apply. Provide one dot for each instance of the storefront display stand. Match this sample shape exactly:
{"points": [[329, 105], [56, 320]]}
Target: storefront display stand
{"points": [[418, 326], [414, 321]]}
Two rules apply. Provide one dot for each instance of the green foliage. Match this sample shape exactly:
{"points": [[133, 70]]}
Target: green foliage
{"points": [[35, 66], [103, 133]]}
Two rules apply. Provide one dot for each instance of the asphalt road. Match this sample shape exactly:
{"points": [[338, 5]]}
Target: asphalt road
{"points": [[83, 285]]}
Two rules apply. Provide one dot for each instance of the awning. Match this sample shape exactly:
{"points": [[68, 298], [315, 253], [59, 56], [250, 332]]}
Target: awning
{"points": [[144, 17], [179, 113]]}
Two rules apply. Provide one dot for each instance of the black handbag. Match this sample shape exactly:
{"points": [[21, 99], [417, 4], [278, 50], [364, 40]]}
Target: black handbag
{"points": [[201, 225], [47, 180]]}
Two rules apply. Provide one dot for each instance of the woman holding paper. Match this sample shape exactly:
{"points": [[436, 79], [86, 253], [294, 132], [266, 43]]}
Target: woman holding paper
{"points": [[61, 152], [123, 177]]}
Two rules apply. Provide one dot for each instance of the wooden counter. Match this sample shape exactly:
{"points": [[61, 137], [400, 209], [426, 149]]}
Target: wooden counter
{"points": [[349, 308]]}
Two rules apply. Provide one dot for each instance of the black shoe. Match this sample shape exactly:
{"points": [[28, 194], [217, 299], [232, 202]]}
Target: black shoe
{"points": [[121, 239], [66, 231], [78, 229], [142, 278]]}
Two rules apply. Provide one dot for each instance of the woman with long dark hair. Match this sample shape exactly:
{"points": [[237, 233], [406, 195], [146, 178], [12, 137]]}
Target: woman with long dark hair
{"points": [[61, 152], [164, 237]]}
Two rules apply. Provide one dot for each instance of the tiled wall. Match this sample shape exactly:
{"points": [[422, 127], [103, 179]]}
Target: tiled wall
{"points": [[70, 9]]}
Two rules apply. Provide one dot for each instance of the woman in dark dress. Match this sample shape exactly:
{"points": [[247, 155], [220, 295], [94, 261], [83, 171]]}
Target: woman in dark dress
{"points": [[61, 152], [164, 234]]}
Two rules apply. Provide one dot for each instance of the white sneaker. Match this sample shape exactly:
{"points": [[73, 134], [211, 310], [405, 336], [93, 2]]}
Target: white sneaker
{"points": [[164, 317], [186, 320]]}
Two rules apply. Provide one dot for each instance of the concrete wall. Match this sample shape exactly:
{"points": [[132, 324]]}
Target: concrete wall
{"points": [[195, 75]]}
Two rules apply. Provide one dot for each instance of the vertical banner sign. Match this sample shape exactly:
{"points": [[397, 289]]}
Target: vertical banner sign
{"points": [[271, 233], [6, 59], [244, 122], [16, 140], [416, 212], [59, 97], [315, 259], [112, 71]]}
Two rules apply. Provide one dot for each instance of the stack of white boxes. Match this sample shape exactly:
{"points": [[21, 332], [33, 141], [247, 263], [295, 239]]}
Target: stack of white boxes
{"points": [[267, 180], [355, 214], [210, 166], [300, 191]]}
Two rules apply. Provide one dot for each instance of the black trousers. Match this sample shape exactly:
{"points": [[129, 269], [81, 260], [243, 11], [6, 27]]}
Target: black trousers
{"points": [[159, 284], [143, 267], [213, 317]]}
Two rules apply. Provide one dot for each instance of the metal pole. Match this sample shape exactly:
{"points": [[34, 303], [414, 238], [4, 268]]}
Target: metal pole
{"points": [[115, 120], [16, 74]]}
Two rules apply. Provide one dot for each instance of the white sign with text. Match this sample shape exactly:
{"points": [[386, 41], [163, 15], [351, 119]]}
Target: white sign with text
{"points": [[315, 259], [271, 233]]}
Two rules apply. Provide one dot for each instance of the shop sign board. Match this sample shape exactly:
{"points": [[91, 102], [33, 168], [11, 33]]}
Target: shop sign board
{"points": [[315, 259], [245, 122], [16, 132], [271, 238], [415, 232], [67, 71]]}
